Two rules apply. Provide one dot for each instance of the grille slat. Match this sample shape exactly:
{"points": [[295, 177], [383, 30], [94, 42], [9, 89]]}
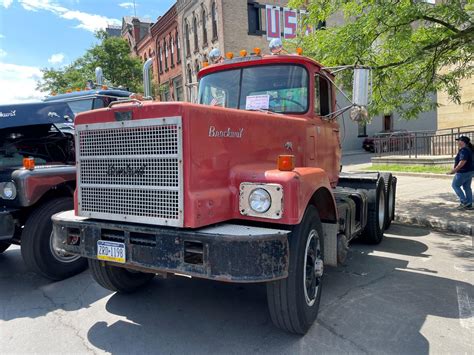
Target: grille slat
{"points": [[131, 171]]}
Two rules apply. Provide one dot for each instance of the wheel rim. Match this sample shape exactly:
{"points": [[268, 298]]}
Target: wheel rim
{"points": [[381, 209], [312, 269], [59, 255]]}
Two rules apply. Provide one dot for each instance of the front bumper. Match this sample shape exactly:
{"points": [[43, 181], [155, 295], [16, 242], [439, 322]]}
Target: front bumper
{"points": [[7, 224], [226, 252]]}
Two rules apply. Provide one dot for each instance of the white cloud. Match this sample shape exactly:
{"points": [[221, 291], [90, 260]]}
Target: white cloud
{"points": [[18, 83], [57, 58], [6, 3], [2, 36], [89, 22], [126, 5], [2, 53]]}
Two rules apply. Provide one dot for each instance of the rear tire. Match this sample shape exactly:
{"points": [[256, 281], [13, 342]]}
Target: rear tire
{"points": [[294, 302], [37, 247], [4, 246], [377, 211], [118, 279], [390, 198]]}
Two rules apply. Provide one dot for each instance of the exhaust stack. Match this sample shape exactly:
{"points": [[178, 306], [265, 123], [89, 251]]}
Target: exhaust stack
{"points": [[146, 79], [99, 76]]}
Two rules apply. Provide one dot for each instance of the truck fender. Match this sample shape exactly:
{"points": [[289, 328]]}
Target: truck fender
{"points": [[322, 198]]}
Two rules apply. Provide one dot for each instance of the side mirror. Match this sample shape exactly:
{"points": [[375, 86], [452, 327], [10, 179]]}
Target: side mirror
{"points": [[360, 93], [360, 86]]}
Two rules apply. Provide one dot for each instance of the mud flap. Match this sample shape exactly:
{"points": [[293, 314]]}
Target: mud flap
{"points": [[330, 243]]}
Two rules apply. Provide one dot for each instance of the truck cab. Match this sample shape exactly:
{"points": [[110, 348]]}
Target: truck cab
{"points": [[243, 186]]}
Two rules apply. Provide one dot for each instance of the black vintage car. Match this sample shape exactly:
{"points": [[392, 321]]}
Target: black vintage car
{"points": [[38, 175]]}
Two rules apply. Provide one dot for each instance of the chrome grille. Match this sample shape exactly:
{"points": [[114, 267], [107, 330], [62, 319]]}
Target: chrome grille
{"points": [[131, 171]]}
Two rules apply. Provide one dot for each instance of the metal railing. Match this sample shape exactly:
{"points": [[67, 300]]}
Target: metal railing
{"points": [[419, 143]]}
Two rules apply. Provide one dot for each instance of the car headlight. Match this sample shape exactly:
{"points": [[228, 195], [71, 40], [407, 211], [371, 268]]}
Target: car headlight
{"points": [[8, 191], [260, 200]]}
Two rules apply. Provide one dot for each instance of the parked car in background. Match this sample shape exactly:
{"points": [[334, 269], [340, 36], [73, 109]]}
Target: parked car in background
{"points": [[389, 141]]}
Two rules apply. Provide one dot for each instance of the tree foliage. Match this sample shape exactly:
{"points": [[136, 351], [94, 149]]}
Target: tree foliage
{"points": [[414, 47], [112, 54]]}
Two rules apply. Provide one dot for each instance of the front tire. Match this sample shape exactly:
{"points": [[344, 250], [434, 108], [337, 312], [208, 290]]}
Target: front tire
{"points": [[294, 302], [37, 244], [118, 279]]}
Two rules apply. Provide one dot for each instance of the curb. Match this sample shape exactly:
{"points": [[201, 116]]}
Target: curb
{"points": [[436, 223], [422, 175]]}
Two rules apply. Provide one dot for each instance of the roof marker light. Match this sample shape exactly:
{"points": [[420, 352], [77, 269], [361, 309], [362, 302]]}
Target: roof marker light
{"points": [[257, 51], [243, 53], [229, 55], [299, 51]]}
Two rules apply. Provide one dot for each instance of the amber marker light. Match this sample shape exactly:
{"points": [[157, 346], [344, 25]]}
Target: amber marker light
{"points": [[29, 163], [229, 55], [257, 51], [243, 53], [286, 162], [104, 87], [299, 51], [205, 64]]}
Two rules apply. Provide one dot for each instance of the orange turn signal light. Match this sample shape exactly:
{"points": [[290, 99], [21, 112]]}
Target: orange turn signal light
{"points": [[286, 162], [229, 55], [243, 53], [29, 163], [299, 51]]}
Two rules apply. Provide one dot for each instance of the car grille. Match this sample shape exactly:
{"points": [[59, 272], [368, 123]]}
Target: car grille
{"points": [[131, 171]]}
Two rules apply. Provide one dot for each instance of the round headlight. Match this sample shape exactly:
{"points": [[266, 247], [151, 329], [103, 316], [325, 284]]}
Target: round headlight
{"points": [[9, 191], [260, 200]]}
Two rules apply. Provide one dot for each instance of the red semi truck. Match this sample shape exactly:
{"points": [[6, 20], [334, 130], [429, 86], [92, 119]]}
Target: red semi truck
{"points": [[244, 186]]}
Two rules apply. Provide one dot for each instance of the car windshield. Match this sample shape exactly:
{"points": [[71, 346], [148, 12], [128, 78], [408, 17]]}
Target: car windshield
{"points": [[276, 88]]}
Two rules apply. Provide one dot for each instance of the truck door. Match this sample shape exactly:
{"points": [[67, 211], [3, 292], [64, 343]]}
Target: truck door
{"points": [[328, 142]]}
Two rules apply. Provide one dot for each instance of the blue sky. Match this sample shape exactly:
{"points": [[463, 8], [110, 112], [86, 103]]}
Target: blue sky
{"points": [[52, 33]]}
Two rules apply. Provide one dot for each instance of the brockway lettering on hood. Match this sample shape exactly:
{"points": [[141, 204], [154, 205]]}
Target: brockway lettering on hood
{"points": [[228, 133], [12, 113]]}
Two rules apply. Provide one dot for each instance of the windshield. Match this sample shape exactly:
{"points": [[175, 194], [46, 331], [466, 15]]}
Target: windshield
{"points": [[80, 105], [277, 88]]}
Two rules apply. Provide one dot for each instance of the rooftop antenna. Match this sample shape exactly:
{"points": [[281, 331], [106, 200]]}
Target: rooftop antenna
{"points": [[134, 8]]}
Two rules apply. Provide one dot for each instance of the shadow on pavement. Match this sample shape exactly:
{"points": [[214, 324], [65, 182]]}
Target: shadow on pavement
{"points": [[407, 231], [24, 294], [375, 304]]}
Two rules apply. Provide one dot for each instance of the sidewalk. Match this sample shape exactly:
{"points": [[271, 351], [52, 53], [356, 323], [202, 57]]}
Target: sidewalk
{"points": [[428, 201]]}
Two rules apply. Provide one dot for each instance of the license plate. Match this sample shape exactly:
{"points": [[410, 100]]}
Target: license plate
{"points": [[111, 251]]}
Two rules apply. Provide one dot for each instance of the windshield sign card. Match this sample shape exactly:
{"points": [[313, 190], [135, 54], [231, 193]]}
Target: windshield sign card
{"points": [[257, 102]]}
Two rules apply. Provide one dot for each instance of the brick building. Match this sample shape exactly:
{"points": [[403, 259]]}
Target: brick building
{"points": [[134, 30], [167, 71]]}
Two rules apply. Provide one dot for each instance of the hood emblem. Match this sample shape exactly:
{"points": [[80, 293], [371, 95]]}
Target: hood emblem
{"points": [[115, 171], [226, 133], [12, 113]]}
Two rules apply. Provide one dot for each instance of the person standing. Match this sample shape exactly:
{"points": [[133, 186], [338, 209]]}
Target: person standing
{"points": [[464, 171]]}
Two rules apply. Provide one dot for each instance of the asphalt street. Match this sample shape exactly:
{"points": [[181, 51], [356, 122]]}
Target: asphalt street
{"points": [[411, 294]]}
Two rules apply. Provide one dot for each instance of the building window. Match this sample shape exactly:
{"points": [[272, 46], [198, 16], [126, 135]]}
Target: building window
{"points": [[178, 49], [387, 123], [362, 129], [195, 29], [196, 67], [190, 74], [253, 13], [188, 46], [204, 28], [160, 59], [214, 21], [172, 51], [165, 45]]}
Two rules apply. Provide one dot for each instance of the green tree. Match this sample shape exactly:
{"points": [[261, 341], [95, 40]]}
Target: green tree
{"points": [[414, 47], [112, 54]]}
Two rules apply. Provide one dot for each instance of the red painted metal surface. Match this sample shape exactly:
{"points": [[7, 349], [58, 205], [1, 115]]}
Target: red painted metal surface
{"points": [[214, 165]]}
